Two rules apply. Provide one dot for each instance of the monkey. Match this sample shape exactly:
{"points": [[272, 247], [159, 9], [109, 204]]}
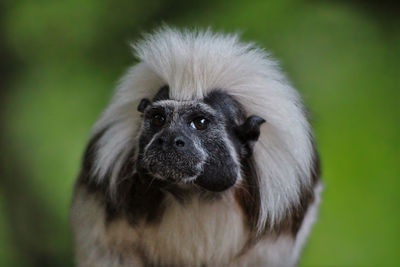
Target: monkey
{"points": [[204, 157]]}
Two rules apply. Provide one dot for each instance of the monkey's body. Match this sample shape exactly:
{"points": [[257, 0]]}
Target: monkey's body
{"points": [[194, 233], [191, 178]]}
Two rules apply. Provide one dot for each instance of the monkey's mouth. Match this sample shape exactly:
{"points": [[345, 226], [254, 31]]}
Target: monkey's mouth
{"points": [[172, 173], [173, 167]]}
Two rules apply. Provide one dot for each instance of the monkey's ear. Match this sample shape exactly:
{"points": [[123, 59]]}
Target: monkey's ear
{"points": [[143, 104], [248, 134], [163, 94]]}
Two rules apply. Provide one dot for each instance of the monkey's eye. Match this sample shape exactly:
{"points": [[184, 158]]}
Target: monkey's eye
{"points": [[199, 123], [158, 120]]}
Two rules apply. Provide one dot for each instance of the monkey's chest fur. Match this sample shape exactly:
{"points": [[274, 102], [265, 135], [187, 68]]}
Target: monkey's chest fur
{"points": [[195, 231]]}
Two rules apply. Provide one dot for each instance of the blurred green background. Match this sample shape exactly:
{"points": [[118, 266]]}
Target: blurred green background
{"points": [[59, 61]]}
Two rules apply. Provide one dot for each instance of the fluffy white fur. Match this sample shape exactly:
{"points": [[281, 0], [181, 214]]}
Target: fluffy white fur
{"points": [[192, 64]]}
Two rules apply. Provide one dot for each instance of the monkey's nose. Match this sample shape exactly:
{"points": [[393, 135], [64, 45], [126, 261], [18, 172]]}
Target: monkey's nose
{"points": [[179, 142]]}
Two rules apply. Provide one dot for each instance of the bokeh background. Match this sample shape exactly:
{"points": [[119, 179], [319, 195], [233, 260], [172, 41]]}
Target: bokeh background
{"points": [[59, 62]]}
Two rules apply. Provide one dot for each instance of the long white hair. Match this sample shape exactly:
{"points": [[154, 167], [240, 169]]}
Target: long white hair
{"points": [[192, 63]]}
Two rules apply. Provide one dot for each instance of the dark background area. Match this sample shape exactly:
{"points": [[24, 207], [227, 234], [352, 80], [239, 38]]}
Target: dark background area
{"points": [[59, 62]]}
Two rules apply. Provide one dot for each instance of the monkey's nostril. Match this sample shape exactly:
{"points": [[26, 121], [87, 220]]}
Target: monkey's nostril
{"points": [[179, 142], [160, 141]]}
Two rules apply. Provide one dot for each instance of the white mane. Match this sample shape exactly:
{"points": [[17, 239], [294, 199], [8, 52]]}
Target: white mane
{"points": [[192, 64]]}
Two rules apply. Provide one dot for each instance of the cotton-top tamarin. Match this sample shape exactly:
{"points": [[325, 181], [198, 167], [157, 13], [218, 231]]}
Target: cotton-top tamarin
{"points": [[204, 157]]}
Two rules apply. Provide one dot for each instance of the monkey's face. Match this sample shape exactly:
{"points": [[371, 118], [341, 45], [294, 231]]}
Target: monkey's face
{"points": [[192, 142]]}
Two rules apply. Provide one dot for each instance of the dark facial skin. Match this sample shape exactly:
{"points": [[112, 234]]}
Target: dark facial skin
{"points": [[167, 144], [199, 142]]}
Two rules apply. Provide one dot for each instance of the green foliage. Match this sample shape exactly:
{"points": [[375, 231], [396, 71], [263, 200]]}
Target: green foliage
{"points": [[64, 57]]}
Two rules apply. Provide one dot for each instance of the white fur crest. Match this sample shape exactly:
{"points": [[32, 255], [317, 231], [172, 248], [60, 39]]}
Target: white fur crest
{"points": [[194, 62]]}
